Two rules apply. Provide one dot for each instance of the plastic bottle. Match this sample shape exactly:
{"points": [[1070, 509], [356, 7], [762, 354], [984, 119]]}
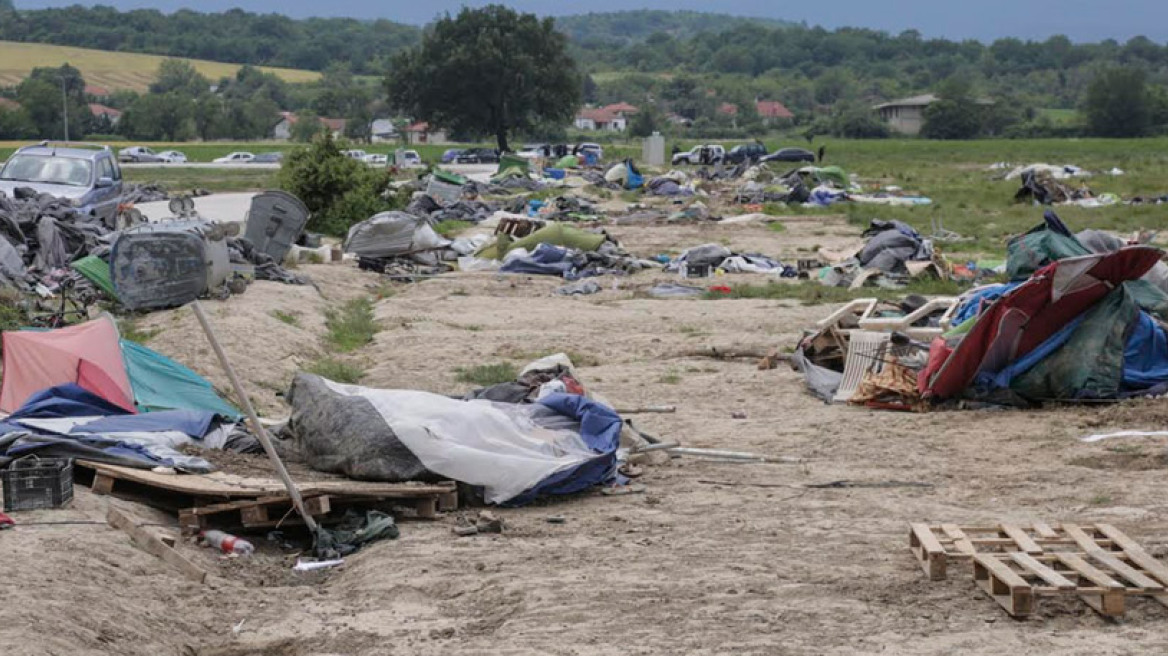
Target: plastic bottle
{"points": [[227, 543]]}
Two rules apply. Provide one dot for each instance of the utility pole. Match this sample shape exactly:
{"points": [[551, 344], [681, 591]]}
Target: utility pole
{"points": [[65, 106]]}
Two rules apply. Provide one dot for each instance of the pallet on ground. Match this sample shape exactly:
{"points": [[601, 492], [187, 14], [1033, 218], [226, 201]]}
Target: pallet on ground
{"points": [[221, 499], [1018, 565]]}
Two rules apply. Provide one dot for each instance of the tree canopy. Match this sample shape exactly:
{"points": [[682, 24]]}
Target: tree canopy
{"points": [[488, 71], [1118, 103]]}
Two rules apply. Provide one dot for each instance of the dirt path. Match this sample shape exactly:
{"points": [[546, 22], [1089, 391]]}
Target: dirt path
{"points": [[691, 566]]}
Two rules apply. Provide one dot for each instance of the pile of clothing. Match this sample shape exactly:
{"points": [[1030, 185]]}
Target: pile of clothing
{"points": [[708, 259]]}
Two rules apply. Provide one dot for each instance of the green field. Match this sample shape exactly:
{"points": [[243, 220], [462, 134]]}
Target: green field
{"points": [[966, 197], [112, 70]]}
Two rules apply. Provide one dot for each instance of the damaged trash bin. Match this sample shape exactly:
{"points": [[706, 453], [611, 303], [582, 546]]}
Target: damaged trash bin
{"points": [[161, 265], [274, 223]]}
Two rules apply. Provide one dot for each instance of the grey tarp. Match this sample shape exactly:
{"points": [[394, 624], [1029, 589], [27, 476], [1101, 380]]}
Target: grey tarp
{"points": [[1103, 242], [822, 382], [391, 234]]}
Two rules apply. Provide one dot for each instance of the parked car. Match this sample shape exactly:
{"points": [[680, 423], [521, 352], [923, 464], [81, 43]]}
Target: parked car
{"points": [[87, 175], [449, 156], [591, 147], [234, 158], [533, 151], [139, 154], [377, 160], [173, 157], [410, 158], [358, 155], [751, 152], [790, 155], [714, 153], [274, 157], [478, 156]]}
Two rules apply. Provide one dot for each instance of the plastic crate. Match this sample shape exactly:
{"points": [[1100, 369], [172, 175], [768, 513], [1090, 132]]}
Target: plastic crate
{"points": [[32, 483]]}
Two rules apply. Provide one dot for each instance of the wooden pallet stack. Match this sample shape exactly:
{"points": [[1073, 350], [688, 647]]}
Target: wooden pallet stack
{"points": [[229, 502], [1018, 565]]}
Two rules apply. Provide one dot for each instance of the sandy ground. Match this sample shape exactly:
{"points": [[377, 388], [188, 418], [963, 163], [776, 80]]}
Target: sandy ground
{"points": [[699, 564]]}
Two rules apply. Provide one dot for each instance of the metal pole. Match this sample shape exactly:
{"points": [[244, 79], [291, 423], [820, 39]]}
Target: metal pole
{"points": [[65, 106], [262, 434]]}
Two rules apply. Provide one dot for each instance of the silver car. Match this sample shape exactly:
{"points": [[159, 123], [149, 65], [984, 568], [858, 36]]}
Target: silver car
{"points": [[86, 175]]}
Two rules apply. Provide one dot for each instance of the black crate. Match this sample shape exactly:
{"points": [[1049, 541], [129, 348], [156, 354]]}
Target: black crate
{"points": [[32, 483]]}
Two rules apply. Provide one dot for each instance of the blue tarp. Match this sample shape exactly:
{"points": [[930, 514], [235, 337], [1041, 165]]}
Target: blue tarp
{"points": [[160, 383], [1145, 356], [546, 260], [71, 400], [973, 305], [600, 428]]}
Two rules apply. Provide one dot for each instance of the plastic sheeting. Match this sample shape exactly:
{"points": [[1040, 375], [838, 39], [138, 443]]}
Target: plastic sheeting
{"points": [[390, 234], [160, 383], [505, 448]]}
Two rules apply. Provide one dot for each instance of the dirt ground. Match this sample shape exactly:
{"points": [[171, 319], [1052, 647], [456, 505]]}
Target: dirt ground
{"points": [[701, 563]]}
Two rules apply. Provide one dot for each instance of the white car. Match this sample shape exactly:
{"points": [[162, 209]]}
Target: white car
{"points": [[532, 151], [410, 158], [172, 157], [236, 158], [714, 154], [593, 147], [358, 155], [377, 160]]}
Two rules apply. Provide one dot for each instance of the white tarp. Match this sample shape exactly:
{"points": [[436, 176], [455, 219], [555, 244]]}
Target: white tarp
{"points": [[496, 445], [393, 233]]}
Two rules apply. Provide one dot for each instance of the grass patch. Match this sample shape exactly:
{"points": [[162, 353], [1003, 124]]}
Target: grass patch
{"points": [[485, 375], [129, 330], [178, 180], [337, 370], [290, 318], [775, 226], [670, 378], [451, 227], [352, 326], [812, 293]]}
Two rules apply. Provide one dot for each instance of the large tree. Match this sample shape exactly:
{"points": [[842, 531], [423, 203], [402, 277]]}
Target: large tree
{"points": [[487, 71], [46, 94], [1118, 103]]}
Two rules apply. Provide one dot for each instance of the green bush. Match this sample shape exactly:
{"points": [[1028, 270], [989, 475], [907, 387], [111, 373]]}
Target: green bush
{"points": [[339, 191]]}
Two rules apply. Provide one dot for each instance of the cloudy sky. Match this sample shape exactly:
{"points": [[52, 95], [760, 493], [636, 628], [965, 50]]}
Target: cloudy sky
{"points": [[1082, 20]]}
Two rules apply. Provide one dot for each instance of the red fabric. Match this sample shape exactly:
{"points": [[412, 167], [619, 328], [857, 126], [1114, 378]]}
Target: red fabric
{"points": [[88, 354], [1021, 320]]}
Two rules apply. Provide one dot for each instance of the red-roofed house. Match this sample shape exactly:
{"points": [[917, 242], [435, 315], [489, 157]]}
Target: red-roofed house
{"points": [[96, 91], [622, 109], [283, 129], [422, 133], [728, 109], [600, 118], [101, 111], [772, 110]]}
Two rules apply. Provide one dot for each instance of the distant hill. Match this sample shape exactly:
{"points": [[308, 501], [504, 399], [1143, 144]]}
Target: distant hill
{"points": [[111, 70], [628, 27]]}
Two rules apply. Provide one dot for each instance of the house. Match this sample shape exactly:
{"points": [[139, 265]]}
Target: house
{"points": [[622, 109], [728, 109], [422, 133], [600, 119], [96, 91], [110, 114], [906, 115], [283, 129], [772, 111], [382, 130]]}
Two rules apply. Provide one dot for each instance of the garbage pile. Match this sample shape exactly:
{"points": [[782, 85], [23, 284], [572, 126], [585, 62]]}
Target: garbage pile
{"points": [[1018, 343], [893, 254], [713, 259]]}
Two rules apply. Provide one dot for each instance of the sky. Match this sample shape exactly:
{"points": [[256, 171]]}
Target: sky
{"points": [[985, 20]]}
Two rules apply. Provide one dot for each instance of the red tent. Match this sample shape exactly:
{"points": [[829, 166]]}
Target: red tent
{"points": [[88, 354], [1024, 318]]}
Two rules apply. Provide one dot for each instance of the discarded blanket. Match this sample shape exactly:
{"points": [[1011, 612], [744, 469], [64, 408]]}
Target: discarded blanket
{"points": [[560, 445]]}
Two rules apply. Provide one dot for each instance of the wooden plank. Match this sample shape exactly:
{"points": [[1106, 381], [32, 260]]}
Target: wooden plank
{"points": [[1045, 531], [1002, 584], [1040, 570], [1020, 538], [1137, 578], [1087, 571], [152, 545], [1134, 552], [448, 502], [254, 514], [1118, 537], [1085, 542], [960, 540], [220, 484], [929, 552]]}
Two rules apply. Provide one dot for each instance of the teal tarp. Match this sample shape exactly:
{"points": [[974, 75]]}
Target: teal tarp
{"points": [[160, 383]]}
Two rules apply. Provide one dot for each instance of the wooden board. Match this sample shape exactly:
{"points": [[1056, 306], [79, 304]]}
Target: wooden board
{"points": [[155, 546], [928, 550], [222, 485]]}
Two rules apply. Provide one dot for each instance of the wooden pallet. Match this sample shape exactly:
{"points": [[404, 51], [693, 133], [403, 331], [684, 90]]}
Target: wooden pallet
{"points": [[220, 499], [1017, 565]]}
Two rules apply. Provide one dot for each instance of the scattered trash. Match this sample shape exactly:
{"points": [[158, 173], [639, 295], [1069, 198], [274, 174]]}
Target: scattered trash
{"points": [[303, 565], [227, 543]]}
